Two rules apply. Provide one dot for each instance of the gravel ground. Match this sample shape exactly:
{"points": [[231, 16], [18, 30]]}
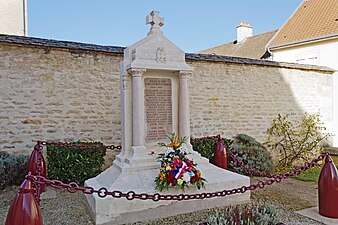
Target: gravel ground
{"points": [[288, 196]]}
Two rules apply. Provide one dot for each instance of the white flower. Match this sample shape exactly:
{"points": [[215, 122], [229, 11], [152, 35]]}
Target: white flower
{"points": [[186, 177], [182, 149], [191, 174], [168, 151]]}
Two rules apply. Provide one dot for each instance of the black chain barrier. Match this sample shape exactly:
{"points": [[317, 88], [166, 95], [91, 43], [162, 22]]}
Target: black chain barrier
{"points": [[81, 146], [247, 168], [103, 192], [232, 155], [36, 184]]}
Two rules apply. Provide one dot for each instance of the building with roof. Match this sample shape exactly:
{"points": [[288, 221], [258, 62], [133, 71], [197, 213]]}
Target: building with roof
{"points": [[13, 17], [246, 45], [310, 36]]}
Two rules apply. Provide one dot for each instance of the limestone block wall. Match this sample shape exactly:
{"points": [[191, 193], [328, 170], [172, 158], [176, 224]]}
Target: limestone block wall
{"points": [[59, 94], [55, 94], [229, 98]]}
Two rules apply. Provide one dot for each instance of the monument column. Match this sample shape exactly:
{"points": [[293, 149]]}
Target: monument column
{"points": [[183, 105], [138, 117]]}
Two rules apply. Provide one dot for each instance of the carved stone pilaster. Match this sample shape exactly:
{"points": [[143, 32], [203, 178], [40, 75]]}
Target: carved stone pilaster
{"points": [[138, 117], [183, 105]]}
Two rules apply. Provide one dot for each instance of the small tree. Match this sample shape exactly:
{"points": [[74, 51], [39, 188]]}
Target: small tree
{"points": [[296, 140]]}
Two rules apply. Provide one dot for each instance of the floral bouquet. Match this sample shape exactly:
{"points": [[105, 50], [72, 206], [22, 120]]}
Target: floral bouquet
{"points": [[176, 168]]}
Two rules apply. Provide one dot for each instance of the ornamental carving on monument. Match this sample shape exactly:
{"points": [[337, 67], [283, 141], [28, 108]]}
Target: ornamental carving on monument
{"points": [[161, 55]]}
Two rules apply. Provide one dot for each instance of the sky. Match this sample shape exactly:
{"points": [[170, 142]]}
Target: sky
{"points": [[193, 25]]}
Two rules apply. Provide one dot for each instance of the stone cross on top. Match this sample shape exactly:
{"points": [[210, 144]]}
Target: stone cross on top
{"points": [[155, 20]]}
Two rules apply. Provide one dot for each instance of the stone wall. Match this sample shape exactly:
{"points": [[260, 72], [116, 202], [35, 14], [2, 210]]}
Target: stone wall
{"points": [[230, 98], [61, 94], [55, 94]]}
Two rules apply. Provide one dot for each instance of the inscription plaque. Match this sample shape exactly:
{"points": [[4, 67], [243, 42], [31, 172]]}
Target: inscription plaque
{"points": [[158, 108]]}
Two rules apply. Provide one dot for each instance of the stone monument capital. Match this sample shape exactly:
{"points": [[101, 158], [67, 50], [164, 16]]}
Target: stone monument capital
{"points": [[184, 73], [136, 72]]}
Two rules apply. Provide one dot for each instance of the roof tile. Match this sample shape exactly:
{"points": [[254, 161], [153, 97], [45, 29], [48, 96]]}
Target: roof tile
{"points": [[313, 19], [253, 47]]}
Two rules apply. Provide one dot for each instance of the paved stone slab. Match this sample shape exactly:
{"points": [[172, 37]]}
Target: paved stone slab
{"points": [[313, 213]]}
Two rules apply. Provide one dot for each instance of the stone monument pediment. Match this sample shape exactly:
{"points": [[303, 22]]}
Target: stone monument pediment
{"points": [[155, 52]]}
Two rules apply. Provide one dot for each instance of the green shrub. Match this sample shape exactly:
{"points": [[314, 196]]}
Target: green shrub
{"points": [[251, 153], [74, 164], [296, 140], [262, 214], [245, 148], [207, 148], [13, 169]]}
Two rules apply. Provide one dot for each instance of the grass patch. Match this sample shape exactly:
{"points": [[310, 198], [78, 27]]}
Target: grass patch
{"points": [[310, 175]]}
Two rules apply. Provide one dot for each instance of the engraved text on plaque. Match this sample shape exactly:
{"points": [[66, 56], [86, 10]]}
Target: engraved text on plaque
{"points": [[158, 108]]}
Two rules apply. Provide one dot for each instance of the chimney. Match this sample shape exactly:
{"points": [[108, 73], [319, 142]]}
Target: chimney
{"points": [[244, 30]]}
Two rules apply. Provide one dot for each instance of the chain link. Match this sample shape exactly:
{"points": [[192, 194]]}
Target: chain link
{"points": [[80, 146], [103, 192], [241, 163], [247, 168], [73, 187]]}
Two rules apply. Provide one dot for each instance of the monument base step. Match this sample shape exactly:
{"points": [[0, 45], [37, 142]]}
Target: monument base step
{"points": [[108, 210]]}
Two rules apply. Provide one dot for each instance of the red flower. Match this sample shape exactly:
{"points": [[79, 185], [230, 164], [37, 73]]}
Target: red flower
{"points": [[178, 162], [197, 177], [189, 164], [171, 179]]}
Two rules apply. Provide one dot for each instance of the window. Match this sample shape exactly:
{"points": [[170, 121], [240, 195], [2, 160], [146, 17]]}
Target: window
{"points": [[312, 59]]}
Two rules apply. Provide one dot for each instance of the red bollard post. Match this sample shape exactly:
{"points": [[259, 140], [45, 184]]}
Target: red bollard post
{"points": [[24, 209], [37, 164], [328, 189], [220, 154]]}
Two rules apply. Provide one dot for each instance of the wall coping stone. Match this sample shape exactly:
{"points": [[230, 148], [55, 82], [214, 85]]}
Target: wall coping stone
{"points": [[40, 42], [238, 60]]}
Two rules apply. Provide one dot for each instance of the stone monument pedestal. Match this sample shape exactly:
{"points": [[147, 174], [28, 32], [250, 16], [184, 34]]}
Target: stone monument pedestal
{"points": [[110, 210], [154, 104]]}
